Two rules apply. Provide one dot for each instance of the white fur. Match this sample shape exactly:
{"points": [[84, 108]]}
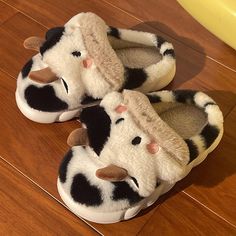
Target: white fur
{"points": [[138, 37], [166, 96], [86, 162], [201, 99], [145, 167], [59, 89], [199, 142], [94, 83], [215, 116], [136, 159], [165, 46], [80, 80], [65, 65]]}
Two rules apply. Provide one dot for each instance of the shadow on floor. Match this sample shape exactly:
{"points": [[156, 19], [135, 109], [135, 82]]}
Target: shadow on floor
{"points": [[190, 60]]}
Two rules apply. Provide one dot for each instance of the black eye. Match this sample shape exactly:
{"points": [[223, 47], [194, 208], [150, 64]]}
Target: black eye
{"points": [[136, 140], [76, 53], [119, 120], [65, 84]]}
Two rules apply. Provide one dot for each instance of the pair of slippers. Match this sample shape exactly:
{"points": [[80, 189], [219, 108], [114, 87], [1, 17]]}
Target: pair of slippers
{"points": [[80, 63], [132, 147]]}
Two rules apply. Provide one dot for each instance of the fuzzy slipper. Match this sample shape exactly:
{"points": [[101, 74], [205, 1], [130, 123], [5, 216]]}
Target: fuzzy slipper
{"points": [[136, 148], [85, 60]]}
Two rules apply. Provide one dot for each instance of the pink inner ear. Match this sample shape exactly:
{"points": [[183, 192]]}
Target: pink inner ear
{"points": [[153, 147], [121, 108], [87, 62]]}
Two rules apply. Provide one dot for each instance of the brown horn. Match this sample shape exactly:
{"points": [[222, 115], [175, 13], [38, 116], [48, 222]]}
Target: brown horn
{"points": [[43, 76], [112, 173], [33, 43], [78, 137]]}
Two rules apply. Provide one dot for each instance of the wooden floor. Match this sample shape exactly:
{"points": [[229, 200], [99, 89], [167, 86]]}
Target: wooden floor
{"points": [[204, 203]]}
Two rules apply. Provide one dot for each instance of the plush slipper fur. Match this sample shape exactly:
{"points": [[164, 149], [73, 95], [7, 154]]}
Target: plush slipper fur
{"points": [[87, 59], [138, 148]]}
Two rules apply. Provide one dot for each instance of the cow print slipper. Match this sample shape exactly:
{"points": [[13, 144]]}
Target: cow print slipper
{"points": [[83, 61], [133, 148]]}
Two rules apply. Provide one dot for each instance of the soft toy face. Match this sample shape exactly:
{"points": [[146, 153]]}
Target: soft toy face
{"points": [[66, 52], [67, 58], [125, 148], [129, 147]]}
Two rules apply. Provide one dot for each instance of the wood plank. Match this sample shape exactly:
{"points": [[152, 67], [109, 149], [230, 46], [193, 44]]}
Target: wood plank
{"points": [[6, 12], [33, 148], [57, 12], [13, 33], [213, 182], [46, 144], [170, 18], [27, 210], [16, 30], [193, 69], [181, 215], [37, 150]]}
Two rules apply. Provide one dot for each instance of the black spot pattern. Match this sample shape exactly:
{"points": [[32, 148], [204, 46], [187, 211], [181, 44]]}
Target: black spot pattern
{"points": [[53, 31], [209, 103], [123, 191], [88, 100], [85, 193], [169, 52], [26, 69], [53, 37], [184, 96], [63, 166], [193, 150], [44, 99], [134, 78], [153, 98], [98, 125], [209, 134], [114, 32], [160, 41]]}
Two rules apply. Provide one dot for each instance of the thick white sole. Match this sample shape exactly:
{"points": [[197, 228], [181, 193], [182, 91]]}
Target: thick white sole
{"points": [[111, 217], [44, 117], [125, 214]]}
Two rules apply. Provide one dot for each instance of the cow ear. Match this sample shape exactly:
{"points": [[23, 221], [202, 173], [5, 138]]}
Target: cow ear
{"points": [[33, 43], [43, 76], [112, 173], [78, 137]]}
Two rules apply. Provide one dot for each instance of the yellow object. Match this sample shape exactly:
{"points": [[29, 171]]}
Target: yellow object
{"points": [[218, 16]]}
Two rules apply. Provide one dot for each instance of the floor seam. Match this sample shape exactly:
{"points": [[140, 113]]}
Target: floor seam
{"points": [[209, 209], [5, 72], [25, 14], [209, 57], [129, 14], [48, 193], [9, 18]]}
